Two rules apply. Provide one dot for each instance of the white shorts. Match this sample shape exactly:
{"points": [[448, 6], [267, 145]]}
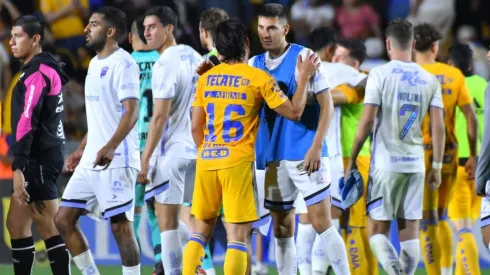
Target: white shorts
{"points": [[264, 223], [337, 172], [394, 195], [485, 211], [286, 179], [103, 194], [300, 206], [173, 180]]}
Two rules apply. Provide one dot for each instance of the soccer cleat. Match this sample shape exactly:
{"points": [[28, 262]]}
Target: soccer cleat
{"points": [[260, 269], [158, 269]]}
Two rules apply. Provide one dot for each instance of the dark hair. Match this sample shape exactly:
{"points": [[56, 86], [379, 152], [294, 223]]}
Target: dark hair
{"points": [[138, 28], [357, 49], [425, 36], [210, 18], [30, 25], [402, 32], [166, 15], [462, 57], [322, 37], [230, 39], [273, 10], [115, 18]]}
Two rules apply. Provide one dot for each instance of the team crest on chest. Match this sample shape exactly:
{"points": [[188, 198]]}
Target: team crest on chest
{"points": [[103, 72]]}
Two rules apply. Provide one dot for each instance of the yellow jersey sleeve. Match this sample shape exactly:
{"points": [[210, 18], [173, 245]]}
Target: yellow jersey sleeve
{"points": [[349, 92], [272, 93], [46, 6], [464, 97], [198, 96]]}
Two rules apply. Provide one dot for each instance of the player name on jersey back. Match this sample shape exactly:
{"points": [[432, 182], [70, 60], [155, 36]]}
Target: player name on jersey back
{"points": [[109, 82], [404, 92]]}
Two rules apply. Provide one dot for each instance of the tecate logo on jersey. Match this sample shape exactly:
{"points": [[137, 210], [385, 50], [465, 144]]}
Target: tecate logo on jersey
{"points": [[29, 100]]}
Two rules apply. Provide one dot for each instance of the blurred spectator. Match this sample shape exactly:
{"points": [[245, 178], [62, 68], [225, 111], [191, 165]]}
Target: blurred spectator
{"points": [[307, 15], [5, 159], [374, 54], [358, 21], [397, 9], [467, 35], [66, 21]]}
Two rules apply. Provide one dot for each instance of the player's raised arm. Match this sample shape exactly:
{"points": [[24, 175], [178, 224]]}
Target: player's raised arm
{"points": [[293, 109]]}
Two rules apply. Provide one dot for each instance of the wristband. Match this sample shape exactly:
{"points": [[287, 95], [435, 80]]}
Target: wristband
{"points": [[437, 165]]}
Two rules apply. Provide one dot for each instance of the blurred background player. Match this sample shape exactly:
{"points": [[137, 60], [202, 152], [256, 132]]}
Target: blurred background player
{"points": [[304, 170], [210, 19], [108, 159], [37, 125], [216, 178], [173, 80], [350, 99], [145, 57], [398, 95], [464, 205], [435, 230]]}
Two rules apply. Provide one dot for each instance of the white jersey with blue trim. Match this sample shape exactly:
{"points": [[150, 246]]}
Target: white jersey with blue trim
{"points": [[404, 91], [109, 82]]}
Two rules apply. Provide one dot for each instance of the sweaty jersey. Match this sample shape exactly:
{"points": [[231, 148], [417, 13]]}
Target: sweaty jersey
{"points": [[174, 77], [454, 94], [280, 138], [145, 61], [231, 96], [37, 108], [109, 82], [403, 91], [476, 86]]}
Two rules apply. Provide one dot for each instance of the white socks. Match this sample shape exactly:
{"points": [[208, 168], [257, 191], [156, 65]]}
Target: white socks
{"points": [[131, 270], [304, 246], [171, 252], [336, 251], [409, 256], [319, 257], [85, 263], [184, 232], [286, 256], [386, 254]]}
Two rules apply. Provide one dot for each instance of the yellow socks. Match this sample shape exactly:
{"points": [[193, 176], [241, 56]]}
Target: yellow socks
{"points": [[236, 259], [446, 242], [356, 251], [430, 248], [194, 254], [466, 254]]}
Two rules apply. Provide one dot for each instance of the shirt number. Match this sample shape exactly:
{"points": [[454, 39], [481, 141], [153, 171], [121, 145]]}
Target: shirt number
{"points": [[148, 94], [408, 108], [228, 123]]}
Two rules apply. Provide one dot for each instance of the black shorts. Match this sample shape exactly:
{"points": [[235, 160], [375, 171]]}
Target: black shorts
{"points": [[42, 172]]}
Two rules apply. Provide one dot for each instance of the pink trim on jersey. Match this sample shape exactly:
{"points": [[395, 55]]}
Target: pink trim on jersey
{"points": [[54, 79], [35, 84]]}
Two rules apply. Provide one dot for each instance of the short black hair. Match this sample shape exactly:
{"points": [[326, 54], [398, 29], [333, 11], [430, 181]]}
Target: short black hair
{"points": [[210, 18], [273, 10], [322, 37], [230, 39], [166, 15], [402, 32], [30, 25], [115, 18], [356, 47], [462, 57], [138, 28], [425, 35]]}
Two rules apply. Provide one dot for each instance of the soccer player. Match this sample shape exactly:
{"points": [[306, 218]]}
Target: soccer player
{"points": [[174, 77], [145, 57], [108, 159], [224, 126], [464, 205], [37, 127], [435, 231], [296, 152], [398, 95], [353, 53]]}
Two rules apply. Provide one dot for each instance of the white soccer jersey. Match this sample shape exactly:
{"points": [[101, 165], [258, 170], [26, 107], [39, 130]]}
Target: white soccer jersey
{"points": [[173, 77], [317, 84], [109, 82], [338, 74], [404, 92]]}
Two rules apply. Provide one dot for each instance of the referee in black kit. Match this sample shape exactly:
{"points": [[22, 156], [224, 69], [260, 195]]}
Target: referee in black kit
{"points": [[37, 126]]}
